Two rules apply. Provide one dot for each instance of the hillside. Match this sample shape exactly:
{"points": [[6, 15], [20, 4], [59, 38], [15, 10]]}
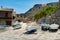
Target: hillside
{"points": [[30, 13], [53, 18], [34, 9]]}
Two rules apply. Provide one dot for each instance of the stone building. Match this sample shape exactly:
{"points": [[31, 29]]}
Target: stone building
{"points": [[20, 17]]}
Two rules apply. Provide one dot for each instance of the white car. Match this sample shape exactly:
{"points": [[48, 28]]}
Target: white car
{"points": [[53, 27], [44, 26], [17, 26], [3, 26]]}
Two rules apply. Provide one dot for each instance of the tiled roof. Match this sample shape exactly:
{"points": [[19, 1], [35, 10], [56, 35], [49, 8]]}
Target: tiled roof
{"points": [[6, 9]]}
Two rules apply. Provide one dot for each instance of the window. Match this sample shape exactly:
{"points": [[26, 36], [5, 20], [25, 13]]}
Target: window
{"points": [[6, 14]]}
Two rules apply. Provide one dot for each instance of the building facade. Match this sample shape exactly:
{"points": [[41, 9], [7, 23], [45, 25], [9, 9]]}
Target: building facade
{"points": [[6, 16]]}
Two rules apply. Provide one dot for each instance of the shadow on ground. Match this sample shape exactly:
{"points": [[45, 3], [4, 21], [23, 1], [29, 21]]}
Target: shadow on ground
{"points": [[3, 30]]}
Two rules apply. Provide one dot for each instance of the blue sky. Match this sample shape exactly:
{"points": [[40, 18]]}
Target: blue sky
{"points": [[21, 6]]}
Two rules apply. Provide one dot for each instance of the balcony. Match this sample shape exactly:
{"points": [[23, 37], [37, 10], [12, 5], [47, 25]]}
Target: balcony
{"points": [[5, 17]]}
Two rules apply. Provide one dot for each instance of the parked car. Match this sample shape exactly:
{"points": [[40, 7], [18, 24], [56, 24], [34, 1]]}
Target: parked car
{"points": [[3, 26], [30, 31], [17, 26], [54, 27], [59, 26], [44, 26]]}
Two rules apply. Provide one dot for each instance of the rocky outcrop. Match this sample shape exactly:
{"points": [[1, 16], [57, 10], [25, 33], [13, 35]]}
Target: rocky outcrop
{"points": [[52, 3], [56, 17], [30, 13], [33, 10], [53, 18]]}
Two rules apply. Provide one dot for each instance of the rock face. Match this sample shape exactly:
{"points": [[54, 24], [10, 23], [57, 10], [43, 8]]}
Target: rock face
{"points": [[56, 17], [34, 9], [30, 13], [53, 3], [53, 18]]}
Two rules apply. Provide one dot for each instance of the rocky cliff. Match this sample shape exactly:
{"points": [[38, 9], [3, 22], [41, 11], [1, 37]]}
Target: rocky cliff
{"points": [[30, 13]]}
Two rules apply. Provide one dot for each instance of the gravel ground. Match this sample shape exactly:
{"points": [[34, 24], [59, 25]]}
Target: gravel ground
{"points": [[19, 35]]}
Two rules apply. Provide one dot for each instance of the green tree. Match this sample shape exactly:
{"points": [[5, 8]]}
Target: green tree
{"points": [[48, 10]]}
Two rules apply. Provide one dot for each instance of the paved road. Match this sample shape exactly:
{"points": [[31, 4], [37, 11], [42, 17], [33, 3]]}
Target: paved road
{"points": [[18, 35]]}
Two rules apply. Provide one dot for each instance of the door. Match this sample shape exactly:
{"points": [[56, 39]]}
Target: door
{"points": [[8, 23]]}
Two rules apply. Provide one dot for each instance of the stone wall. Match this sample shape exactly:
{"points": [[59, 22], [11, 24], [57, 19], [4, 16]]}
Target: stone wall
{"points": [[53, 18]]}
